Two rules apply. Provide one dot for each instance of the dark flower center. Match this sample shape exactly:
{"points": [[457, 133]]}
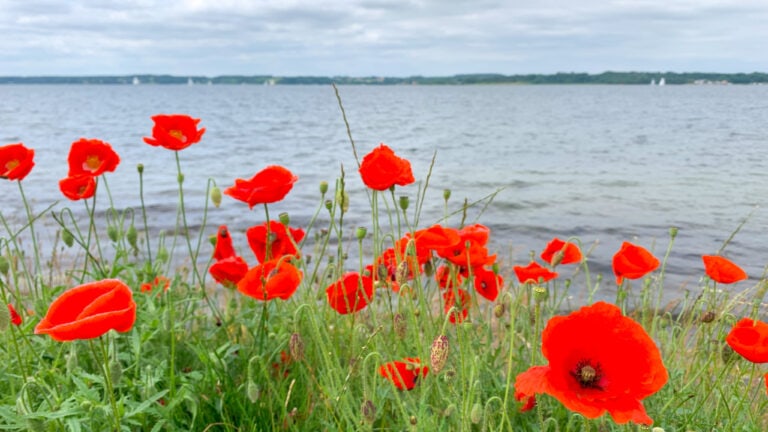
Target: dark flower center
{"points": [[588, 375]]}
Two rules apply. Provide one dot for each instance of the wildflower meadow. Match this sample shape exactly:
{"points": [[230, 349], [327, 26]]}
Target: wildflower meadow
{"points": [[397, 324]]}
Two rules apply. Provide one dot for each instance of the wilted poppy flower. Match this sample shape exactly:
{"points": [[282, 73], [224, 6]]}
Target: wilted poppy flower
{"points": [[563, 252], [456, 303], [382, 168], [78, 187], [750, 339], [445, 279], [91, 157], [273, 279], [487, 283], [533, 273], [722, 270], [90, 310], [283, 240], [174, 131], [633, 262], [351, 293], [599, 360], [269, 185], [15, 317], [404, 374], [16, 161]]}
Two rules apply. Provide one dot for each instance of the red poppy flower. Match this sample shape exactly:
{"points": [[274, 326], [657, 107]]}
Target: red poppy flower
{"points": [[599, 360], [159, 282], [229, 271], [633, 262], [487, 283], [78, 187], [90, 310], [722, 270], [91, 157], [273, 279], [16, 161], [564, 252], [351, 293], [533, 273], [436, 237], [459, 300], [382, 168], [174, 131], [15, 317], [269, 185], [445, 280], [223, 248], [750, 339], [476, 233], [283, 240], [404, 374]]}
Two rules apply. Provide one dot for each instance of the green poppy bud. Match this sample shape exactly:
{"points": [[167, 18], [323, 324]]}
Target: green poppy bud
{"points": [[4, 265], [446, 194], [216, 196], [112, 233], [132, 236], [476, 414], [368, 411], [323, 187], [67, 237]]}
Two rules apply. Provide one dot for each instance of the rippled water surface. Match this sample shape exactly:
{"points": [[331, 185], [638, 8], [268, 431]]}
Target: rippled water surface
{"points": [[601, 163]]}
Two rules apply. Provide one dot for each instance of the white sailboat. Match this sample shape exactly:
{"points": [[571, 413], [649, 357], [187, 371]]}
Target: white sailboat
{"points": [[190, 82], [662, 81], [653, 81], [136, 81]]}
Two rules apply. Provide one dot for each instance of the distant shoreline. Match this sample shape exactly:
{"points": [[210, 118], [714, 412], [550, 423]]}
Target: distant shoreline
{"points": [[622, 78]]}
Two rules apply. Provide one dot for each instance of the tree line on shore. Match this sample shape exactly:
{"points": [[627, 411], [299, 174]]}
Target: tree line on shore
{"points": [[627, 78]]}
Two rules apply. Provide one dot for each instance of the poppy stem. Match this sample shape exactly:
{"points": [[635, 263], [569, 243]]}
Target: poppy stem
{"points": [[144, 216], [107, 378], [31, 228]]}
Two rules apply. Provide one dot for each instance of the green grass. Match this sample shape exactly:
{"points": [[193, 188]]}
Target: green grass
{"points": [[205, 358]]}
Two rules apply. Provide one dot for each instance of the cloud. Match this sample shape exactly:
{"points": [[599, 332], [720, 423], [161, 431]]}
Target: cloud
{"points": [[378, 37]]}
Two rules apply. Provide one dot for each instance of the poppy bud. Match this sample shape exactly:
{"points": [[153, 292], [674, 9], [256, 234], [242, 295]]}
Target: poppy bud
{"points": [[429, 268], [413, 420], [727, 353], [400, 326], [216, 196], [67, 237], [112, 233], [342, 199], [323, 187], [285, 219], [253, 391], [404, 201], [360, 233], [368, 411], [499, 310], [71, 362], [5, 318], [557, 258], [401, 273], [328, 204], [140, 168], [4, 265], [132, 236], [438, 355], [446, 194], [115, 372], [476, 415], [296, 347], [540, 294], [162, 254], [449, 410], [708, 317]]}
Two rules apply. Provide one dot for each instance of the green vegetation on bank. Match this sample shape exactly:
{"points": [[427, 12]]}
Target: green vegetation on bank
{"points": [[558, 78]]}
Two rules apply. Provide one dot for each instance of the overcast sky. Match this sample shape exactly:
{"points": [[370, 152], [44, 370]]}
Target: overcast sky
{"points": [[380, 37]]}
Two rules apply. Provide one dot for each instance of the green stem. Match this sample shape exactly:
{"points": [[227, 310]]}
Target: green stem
{"points": [[144, 214], [107, 379], [31, 229]]}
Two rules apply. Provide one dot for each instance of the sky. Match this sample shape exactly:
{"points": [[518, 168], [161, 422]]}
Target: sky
{"points": [[395, 38]]}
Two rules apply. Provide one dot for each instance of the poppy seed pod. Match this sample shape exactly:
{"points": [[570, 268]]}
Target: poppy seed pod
{"points": [[360, 233], [140, 168], [404, 202], [285, 218], [446, 194], [323, 187], [368, 411]]}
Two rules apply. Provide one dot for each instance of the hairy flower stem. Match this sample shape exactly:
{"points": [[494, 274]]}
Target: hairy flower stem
{"points": [[35, 247], [144, 216], [107, 378]]}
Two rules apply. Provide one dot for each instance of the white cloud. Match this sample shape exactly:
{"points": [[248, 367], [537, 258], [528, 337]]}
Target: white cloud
{"points": [[379, 37]]}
